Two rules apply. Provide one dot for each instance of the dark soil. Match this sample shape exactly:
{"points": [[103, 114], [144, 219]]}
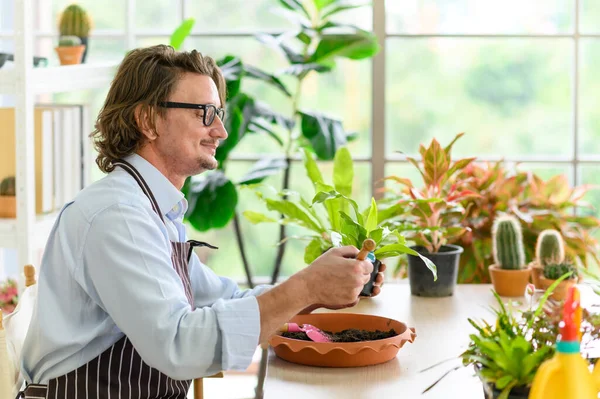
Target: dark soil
{"points": [[350, 335]]}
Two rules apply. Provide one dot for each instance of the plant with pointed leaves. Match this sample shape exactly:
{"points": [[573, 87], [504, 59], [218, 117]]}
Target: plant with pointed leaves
{"points": [[332, 216], [312, 46], [430, 215]]}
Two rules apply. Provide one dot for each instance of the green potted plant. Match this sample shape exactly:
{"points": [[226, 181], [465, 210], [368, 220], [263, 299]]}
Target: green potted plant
{"points": [[69, 50], [552, 272], [332, 217], [8, 199], [431, 216], [315, 43], [549, 248], [538, 204], [509, 274], [75, 21]]}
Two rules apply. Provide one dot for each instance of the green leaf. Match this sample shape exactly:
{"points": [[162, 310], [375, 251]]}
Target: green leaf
{"points": [[372, 218], [312, 169], [323, 197], [232, 70], [262, 169], [295, 5], [257, 217], [211, 201], [278, 44], [260, 125], [314, 249], [256, 73], [376, 235], [263, 110], [355, 46], [353, 229], [339, 6], [386, 250], [502, 382], [343, 171], [301, 70], [295, 213], [390, 212], [304, 37], [320, 4], [241, 110], [326, 135], [181, 33]]}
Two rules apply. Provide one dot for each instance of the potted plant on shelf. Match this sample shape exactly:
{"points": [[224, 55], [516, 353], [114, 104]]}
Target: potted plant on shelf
{"points": [[549, 248], [332, 217], [431, 217], [69, 50], [509, 274], [552, 273], [8, 199], [75, 21]]}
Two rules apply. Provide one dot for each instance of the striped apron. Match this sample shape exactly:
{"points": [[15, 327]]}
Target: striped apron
{"points": [[120, 372]]}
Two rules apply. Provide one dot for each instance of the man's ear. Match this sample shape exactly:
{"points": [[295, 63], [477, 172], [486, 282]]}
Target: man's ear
{"points": [[144, 115]]}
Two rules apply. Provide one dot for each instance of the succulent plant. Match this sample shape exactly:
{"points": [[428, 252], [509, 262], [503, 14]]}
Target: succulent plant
{"points": [[550, 247], [507, 240], [69, 41], [553, 271], [8, 186], [74, 21]]}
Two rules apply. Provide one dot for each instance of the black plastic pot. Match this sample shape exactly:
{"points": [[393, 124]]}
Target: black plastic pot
{"points": [[421, 278], [490, 391], [368, 288]]}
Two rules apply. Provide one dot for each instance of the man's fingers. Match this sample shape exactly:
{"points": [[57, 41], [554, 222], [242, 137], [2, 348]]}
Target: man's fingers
{"points": [[379, 279], [382, 267], [347, 251], [376, 291]]}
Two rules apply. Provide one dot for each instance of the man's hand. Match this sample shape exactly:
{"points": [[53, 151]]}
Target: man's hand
{"points": [[376, 291]]}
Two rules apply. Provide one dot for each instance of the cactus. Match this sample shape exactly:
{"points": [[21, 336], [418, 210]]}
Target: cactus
{"points": [[554, 270], [69, 41], [8, 186], [74, 22], [507, 242], [549, 248]]}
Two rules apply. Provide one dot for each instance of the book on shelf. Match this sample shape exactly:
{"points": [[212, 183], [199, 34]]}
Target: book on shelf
{"points": [[59, 148]]}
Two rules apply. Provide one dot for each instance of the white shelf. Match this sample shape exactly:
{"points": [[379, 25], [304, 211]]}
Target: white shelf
{"points": [[42, 227], [62, 78]]}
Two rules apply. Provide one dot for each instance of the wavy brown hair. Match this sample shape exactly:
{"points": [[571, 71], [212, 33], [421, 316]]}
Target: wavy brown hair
{"points": [[146, 77]]}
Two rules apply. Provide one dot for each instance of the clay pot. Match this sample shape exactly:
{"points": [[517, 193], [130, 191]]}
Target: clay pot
{"points": [[343, 354], [8, 206], [560, 292], [70, 55], [537, 271], [509, 283]]}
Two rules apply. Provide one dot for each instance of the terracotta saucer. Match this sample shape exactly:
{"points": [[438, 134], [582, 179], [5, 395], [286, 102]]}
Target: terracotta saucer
{"points": [[343, 354]]}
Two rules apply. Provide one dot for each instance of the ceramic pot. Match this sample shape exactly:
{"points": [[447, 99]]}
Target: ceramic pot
{"points": [[343, 354], [8, 206], [509, 283], [560, 292], [537, 270], [421, 279], [70, 55]]}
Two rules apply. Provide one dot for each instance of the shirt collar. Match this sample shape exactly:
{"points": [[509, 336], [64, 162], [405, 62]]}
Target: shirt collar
{"points": [[166, 194]]}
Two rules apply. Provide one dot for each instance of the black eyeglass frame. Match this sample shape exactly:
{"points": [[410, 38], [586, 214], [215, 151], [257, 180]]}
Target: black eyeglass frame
{"points": [[220, 112]]}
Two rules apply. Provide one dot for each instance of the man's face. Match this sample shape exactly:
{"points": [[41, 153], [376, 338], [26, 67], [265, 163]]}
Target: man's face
{"points": [[185, 144]]}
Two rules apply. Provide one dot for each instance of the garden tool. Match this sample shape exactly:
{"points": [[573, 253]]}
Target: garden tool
{"points": [[367, 253], [566, 375], [311, 331]]}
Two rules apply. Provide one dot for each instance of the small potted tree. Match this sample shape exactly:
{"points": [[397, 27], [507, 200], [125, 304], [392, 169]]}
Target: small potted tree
{"points": [[509, 274], [8, 199], [332, 217], [75, 21], [430, 216], [69, 50], [549, 248]]}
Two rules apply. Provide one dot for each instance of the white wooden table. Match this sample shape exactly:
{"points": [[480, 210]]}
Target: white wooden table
{"points": [[442, 333]]}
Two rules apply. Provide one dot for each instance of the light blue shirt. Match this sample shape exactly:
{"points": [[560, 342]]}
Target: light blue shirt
{"points": [[107, 272]]}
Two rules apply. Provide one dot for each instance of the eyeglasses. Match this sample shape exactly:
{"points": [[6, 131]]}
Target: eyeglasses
{"points": [[210, 111]]}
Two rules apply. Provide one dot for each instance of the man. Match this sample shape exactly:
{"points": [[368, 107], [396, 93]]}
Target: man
{"points": [[124, 305]]}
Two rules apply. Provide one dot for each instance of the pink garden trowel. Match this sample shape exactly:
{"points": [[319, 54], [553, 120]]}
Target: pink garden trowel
{"points": [[312, 332]]}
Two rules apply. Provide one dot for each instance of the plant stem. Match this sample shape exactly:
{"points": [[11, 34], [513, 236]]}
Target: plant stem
{"points": [[286, 182], [240, 242]]}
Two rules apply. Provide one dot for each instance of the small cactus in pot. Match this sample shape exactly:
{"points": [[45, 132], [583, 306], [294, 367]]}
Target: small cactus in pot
{"points": [[509, 274], [553, 271], [549, 248], [75, 21], [8, 199], [70, 50]]}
